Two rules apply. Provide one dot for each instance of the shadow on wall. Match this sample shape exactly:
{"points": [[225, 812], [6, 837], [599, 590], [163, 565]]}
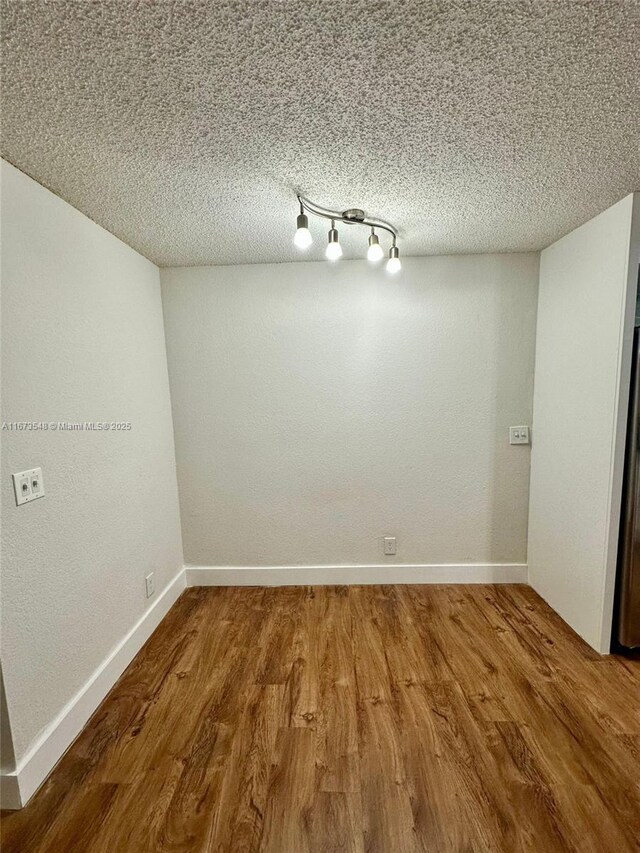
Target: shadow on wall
{"points": [[511, 407]]}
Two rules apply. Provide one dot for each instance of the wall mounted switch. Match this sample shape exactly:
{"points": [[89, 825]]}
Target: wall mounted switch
{"points": [[28, 485], [519, 435], [389, 545]]}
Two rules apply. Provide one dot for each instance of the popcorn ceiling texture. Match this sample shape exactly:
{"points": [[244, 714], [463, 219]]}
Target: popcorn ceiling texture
{"points": [[184, 127]]}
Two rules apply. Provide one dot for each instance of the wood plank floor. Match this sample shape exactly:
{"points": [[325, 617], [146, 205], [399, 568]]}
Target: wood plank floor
{"points": [[390, 719]]}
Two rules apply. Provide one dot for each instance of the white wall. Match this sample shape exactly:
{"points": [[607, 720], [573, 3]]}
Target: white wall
{"points": [[82, 340], [320, 407], [584, 333], [7, 757]]}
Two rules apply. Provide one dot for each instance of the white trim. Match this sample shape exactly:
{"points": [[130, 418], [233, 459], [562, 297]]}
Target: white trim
{"points": [[34, 768], [380, 574], [619, 441]]}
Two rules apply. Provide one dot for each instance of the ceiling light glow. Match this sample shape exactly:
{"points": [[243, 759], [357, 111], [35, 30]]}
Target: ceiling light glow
{"points": [[303, 238], [375, 252], [393, 264], [334, 249]]}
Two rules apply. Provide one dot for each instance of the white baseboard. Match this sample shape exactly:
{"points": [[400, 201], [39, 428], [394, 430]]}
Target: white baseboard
{"points": [[20, 785], [339, 575]]}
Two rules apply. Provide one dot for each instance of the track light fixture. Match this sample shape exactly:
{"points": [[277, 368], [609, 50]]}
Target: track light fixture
{"points": [[353, 216], [334, 249], [393, 264], [303, 238], [375, 252]]}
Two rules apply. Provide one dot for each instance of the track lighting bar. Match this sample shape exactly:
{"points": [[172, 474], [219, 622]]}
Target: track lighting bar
{"points": [[352, 216]]}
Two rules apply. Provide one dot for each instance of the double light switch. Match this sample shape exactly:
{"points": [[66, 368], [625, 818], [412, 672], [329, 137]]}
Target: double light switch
{"points": [[28, 485]]}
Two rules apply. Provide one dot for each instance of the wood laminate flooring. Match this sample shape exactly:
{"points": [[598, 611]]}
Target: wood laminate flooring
{"points": [[386, 719]]}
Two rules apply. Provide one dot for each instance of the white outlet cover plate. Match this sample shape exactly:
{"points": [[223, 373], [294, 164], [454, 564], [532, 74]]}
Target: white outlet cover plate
{"points": [[28, 485], [150, 586], [390, 545], [519, 435]]}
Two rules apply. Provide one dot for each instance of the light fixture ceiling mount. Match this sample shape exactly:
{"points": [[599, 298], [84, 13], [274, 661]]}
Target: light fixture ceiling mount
{"points": [[351, 216]]}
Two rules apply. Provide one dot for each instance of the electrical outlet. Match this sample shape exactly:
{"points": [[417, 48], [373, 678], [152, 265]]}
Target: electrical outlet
{"points": [[149, 585], [389, 545], [519, 435], [28, 485]]}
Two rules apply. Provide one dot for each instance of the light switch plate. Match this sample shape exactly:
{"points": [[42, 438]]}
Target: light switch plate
{"points": [[28, 485], [519, 435]]}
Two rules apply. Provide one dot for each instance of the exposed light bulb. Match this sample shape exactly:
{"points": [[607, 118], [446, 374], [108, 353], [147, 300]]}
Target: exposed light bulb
{"points": [[334, 249], [393, 264], [303, 238], [375, 252]]}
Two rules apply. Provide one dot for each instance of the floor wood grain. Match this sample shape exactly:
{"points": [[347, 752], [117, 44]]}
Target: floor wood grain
{"points": [[377, 719]]}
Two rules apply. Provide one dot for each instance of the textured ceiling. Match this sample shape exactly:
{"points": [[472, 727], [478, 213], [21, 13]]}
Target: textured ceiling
{"points": [[184, 127]]}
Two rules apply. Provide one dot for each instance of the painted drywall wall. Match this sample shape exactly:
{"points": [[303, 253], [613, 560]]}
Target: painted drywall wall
{"points": [[7, 756], [82, 341], [584, 334], [318, 408], [9, 789]]}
